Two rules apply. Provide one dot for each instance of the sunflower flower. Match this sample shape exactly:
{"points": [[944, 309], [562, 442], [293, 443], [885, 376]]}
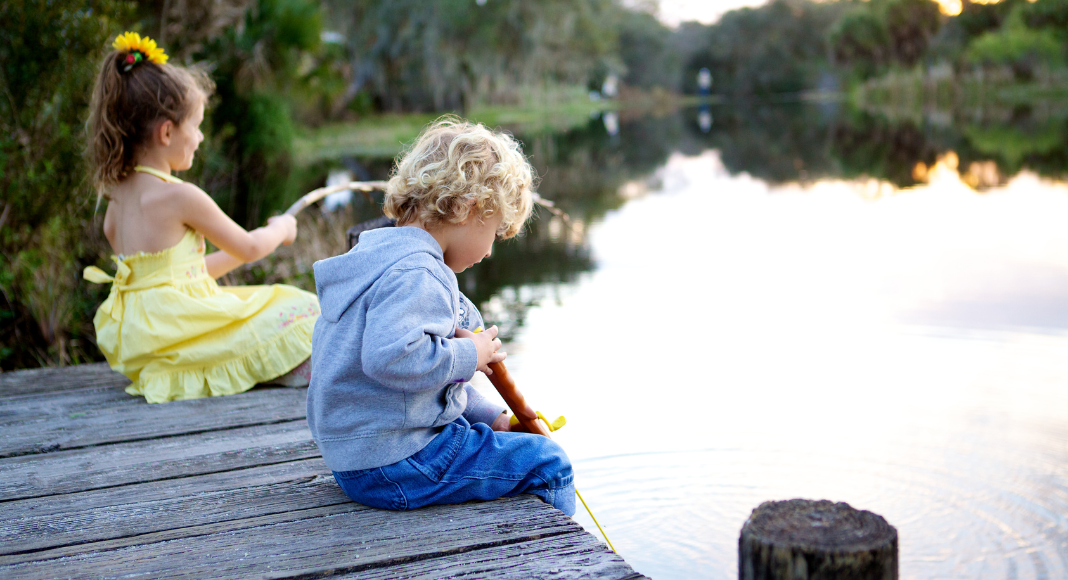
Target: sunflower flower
{"points": [[131, 42]]}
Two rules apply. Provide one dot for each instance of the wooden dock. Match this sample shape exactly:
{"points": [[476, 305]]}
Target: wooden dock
{"points": [[96, 483]]}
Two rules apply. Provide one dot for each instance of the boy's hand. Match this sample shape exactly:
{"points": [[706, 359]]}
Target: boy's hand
{"points": [[501, 423], [487, 344]]}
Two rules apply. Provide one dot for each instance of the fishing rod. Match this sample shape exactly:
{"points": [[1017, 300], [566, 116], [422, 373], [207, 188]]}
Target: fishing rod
{"points": [[530, 419], [317, 194], [501, 380]]}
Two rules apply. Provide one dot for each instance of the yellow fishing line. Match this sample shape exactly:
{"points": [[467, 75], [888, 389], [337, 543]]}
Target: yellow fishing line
{"points": [[595, 520], [553, 426]]}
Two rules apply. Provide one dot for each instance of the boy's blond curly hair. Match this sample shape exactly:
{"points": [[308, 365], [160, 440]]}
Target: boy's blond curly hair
{"points": [[457, 168]]}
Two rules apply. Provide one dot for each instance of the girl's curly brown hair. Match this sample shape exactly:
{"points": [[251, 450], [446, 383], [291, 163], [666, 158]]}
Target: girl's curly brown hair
{"points": [[128, 106]]}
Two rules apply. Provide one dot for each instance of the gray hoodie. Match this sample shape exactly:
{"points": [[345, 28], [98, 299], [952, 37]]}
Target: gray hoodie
{"points": [[387, 373]]}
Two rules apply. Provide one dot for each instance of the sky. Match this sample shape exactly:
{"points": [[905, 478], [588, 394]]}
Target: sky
{"points": [[673, 12]]}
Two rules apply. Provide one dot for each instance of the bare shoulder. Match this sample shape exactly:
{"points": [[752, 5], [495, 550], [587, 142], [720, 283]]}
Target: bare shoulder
{"points": [[180, 194], [176, 199]]}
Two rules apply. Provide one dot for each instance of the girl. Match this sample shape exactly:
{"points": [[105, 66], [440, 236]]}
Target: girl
{"points": [[167, 325]]}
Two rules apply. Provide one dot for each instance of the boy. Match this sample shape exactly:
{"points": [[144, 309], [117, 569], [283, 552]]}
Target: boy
{"points": [[389, 405]]}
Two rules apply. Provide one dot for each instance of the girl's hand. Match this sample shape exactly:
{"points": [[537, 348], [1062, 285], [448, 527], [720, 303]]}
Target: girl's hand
{"points": [[487, 344], [288, 224]]}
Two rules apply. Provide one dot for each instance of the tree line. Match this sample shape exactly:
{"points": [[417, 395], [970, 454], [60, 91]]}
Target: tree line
{"points": [[284, 66]]}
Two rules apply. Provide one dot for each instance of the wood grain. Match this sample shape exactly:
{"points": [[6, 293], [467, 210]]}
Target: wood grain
{"points": [[323, 545], [120, 464], [47, 380], [106, 514], [564, 556], [97, 483], [49, 422]]}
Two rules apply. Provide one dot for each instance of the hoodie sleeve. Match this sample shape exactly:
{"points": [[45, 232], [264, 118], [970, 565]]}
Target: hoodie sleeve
{"points": [[406, 342], [479, 408]]}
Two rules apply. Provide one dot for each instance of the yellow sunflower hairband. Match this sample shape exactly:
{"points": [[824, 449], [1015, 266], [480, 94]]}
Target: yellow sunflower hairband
{"points": [[138, 49]]}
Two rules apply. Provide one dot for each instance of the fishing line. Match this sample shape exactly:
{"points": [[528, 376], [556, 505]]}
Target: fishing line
{"points": [[521, 413], [533, 421]]}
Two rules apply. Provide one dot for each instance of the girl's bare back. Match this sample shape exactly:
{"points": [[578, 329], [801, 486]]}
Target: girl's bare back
{"points": [[140, 216]]}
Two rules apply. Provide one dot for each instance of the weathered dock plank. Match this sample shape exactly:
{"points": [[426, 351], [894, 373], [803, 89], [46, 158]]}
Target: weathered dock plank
{"points": [[97, 483], [564, 556], [60, 555], [320, 546], [27, 525], [47, 380], [118, 464], [71, 419]]}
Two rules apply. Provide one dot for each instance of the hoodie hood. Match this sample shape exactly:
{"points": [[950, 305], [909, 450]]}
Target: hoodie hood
{"points": [[341, 280]]}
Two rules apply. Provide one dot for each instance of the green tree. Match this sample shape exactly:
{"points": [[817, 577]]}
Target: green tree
{"points": [[1046, 14], [1018, 46], [860, 40], [777, 48], [910, 25], [872, 36], [425, 55], [262, 68], [647, 52], [49, 53]]}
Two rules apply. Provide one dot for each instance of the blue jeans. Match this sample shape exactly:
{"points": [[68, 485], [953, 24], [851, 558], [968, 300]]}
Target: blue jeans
{"points": [[466, 462]]}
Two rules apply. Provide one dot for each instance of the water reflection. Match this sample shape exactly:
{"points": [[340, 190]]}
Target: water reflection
{"points": [[795, 301], [741, 341]]}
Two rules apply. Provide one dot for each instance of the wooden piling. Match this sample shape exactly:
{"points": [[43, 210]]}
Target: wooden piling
{"points": [[803, 539]]}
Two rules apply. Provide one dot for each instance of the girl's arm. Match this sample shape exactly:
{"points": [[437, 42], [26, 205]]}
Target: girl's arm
{"points": [[197, 210], [220, 263]]}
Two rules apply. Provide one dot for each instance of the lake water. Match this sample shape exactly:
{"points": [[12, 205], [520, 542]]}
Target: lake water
{"points": [[746, 311]]}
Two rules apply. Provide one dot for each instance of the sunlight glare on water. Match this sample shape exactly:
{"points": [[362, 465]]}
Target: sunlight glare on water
{"points": [[739, 342]]}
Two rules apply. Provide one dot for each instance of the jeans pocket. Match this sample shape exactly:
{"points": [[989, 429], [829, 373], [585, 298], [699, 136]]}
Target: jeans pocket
{"points": [[436, 458], [372, 488]]}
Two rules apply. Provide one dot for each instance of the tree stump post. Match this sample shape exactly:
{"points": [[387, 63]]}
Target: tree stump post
{"points": [[803, 539]]}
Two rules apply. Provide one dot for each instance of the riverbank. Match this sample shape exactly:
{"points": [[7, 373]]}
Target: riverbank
{"points": [[539, 111]]}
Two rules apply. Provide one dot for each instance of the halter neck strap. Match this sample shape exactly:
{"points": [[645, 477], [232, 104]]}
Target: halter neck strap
{"points": [[164, 176]]}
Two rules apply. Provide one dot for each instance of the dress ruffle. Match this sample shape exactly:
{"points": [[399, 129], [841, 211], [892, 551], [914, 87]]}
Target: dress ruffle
{"points": [[176, 334], [267, 361]]}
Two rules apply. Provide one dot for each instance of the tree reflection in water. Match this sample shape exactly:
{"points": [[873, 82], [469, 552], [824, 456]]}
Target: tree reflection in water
{"points": [[587, 172]]}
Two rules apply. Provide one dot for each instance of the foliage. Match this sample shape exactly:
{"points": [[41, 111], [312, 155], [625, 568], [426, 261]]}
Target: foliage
{"points": [[777, 48], [49, 53], [874, 35], [260, 73], [910, 24], [302, 84], [647, 52], [976, 18], [424, 55], [1013, 145], [1047, 14], [1018, 46], [859, 38]]}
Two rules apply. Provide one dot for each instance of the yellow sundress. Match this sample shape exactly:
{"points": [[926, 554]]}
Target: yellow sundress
{"points": [[170, 328]]}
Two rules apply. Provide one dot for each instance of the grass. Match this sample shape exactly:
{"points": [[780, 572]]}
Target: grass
{"points": [[540, 110]]}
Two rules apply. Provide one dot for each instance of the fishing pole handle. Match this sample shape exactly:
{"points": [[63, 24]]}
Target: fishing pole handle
{"points": [[515, 400]]}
